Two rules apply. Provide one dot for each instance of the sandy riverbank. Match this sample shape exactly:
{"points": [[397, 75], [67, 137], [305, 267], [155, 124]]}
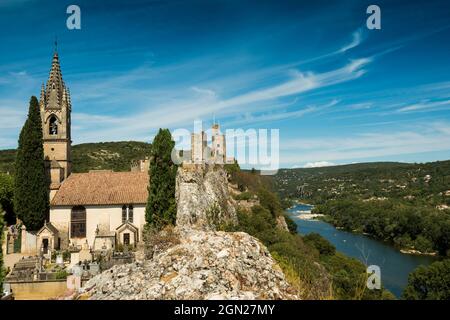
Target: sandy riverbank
{"points": [[309, 216], [417, 252]]}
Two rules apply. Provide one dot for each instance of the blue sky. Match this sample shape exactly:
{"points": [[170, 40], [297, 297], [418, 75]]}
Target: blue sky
{"points": [[338, 92]]}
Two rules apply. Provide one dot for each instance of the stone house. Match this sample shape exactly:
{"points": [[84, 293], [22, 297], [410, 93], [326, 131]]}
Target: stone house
{"points": [[102, 208]]}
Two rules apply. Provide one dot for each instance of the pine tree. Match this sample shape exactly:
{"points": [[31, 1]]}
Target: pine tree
{"points": [[161, 205], [31, 198]]}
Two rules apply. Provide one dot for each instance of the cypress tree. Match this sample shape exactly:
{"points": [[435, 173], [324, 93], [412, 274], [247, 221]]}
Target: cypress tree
{"points": [[161, 205], [31, 197], [2, 270]]}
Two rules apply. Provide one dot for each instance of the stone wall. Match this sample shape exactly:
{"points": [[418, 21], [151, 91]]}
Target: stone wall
{"points": [[29, 242], [38, 290]]}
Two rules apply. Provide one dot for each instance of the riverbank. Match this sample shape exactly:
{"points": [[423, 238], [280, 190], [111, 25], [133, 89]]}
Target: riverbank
{"points": [[307, 215], [410, 251], [419, 253], [394, 265]]}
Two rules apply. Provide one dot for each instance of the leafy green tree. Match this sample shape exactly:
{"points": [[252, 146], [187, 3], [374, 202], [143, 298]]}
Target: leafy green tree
{"points": [[232, 167], [6, 197], [161, 206], [292, 226], [31, 198], [423, 244], [429, 283], [270, 201], [320, 243]]}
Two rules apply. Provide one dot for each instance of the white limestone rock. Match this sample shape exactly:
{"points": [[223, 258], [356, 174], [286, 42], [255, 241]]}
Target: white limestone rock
{"points": [[203, 199], [204, 265]]}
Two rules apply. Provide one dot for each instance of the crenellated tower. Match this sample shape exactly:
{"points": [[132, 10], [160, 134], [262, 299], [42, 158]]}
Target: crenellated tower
{"points": [[55, 107]]}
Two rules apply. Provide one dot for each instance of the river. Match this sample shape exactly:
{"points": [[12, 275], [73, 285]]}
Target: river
{"points": [[394, 265]]}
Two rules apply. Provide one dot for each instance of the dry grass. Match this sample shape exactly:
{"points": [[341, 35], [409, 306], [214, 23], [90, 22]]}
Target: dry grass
{"points": [[305, 286], [159, 240]]}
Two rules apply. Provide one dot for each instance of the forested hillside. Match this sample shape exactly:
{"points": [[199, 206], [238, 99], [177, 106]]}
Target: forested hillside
{"points": [[405, 204], [427, 183], [116, 156], [311, 263]]}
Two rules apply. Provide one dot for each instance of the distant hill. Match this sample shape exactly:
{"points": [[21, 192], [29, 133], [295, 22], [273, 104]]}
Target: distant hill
{"points": [[116, 156], [365, 180], [407, 205]]}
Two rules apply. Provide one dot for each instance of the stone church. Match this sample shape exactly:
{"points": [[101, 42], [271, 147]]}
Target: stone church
{"points": [[99, 209]]}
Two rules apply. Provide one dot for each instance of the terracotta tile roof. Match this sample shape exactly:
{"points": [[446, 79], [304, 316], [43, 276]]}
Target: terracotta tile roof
{"points": [[103, 188]]}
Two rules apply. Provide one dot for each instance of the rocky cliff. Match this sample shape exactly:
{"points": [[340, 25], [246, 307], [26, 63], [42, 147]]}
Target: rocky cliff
{"points": [[193, 261], [203, 199], [204, 265]]}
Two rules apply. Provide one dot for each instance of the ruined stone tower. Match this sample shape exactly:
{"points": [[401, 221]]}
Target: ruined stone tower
{"points": [[218, 146], [55, 107]]}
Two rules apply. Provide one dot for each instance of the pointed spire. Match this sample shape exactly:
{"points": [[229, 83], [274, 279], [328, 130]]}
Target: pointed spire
{"points": [[42, 97], [69, 102], [55, 89]]}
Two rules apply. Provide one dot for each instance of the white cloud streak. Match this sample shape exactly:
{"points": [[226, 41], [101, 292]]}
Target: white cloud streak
{"points": [[182, 110], [357, 38], [425, 106], [434, 137], [319, 164]]}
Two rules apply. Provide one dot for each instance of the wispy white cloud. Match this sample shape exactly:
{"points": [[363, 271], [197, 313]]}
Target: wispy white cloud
{"points": [[199, 103], [425, 106], [133, 104], [204, 91], [430, 138], [270, 117], [357, 38]]}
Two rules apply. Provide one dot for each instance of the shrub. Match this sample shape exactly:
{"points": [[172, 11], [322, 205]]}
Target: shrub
{"points": [[320, 243], [156, 240], [429, 283], [61, 274], [292, 226], [243, 196]]}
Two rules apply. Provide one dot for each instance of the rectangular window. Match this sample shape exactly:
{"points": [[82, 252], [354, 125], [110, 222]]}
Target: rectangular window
{"points": [[124, 214], [78, 229], [126, 239], [78, 222], [130, 213]]}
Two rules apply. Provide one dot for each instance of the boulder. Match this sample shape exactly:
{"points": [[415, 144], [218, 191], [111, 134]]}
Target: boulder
{"points": [[203, 199], [204, 265]]}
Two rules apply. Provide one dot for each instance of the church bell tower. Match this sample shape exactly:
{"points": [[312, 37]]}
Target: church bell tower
{"points": [[55, 107]]}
